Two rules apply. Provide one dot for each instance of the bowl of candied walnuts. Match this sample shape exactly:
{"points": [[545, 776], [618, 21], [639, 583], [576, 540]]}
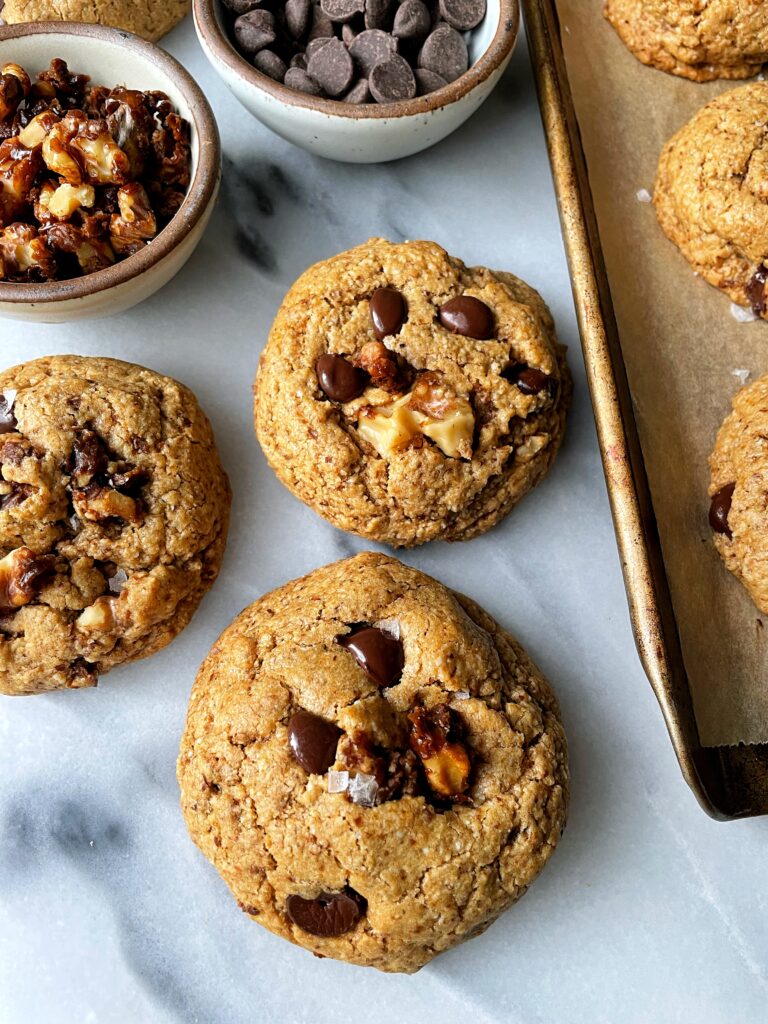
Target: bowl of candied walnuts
{"points": [[110, 165]]}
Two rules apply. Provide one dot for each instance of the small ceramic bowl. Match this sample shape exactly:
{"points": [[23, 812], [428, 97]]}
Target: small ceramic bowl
{"points": [[112, 57], [367, 133]]}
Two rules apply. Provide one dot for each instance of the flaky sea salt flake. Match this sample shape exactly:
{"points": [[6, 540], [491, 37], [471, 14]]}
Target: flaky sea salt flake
{"points": [[462, 695], [117, 582], [743, 314], [741, 375], [337, 781], [643, 195], [363, 789]]}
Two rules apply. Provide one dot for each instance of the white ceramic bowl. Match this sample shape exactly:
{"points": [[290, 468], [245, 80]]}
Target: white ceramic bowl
{"points": [[111, 58], [367, 133]]}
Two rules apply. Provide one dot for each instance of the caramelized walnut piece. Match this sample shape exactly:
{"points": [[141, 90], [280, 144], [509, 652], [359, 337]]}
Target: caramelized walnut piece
{"points": [[100, 616], [18, 168], [22, 573], [395, 772], [97, 504], [445, 760], [383, 367], [13, 494], [91, 253], [136, 224], [14, 86], [35, 132], [25, 255]]}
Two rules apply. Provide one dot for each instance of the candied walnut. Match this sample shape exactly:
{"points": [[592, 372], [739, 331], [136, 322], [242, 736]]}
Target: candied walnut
{"points": [[57, 155], [60, 203], [445, 760], [80, 150], [60, 83], [394, 772], [18, 169], [171, 148], [14, 87], [129, 480], [13, 494], [22, 573], [135, 225], [99, 616], [91, 253], [131, 124], [97, 504], [35, 132], [24, 255], [384, 368]]}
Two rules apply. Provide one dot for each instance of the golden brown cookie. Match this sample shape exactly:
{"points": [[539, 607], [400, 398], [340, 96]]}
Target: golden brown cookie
{"points": [[738, 492], [113, 518], [406, 397], [711, 193], [694, 39], [150, 19], [375, 767]]}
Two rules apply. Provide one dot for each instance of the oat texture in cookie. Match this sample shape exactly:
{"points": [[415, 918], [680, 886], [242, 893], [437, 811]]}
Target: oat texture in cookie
{"points": [[697, 39], [711, 194], [150, 19], [738, 491], [375, 767], [407, 397], [113, 518]]}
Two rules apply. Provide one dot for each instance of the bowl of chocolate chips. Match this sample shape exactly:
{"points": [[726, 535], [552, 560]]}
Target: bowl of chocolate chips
{"points": [[361, 81], [109, 168]]}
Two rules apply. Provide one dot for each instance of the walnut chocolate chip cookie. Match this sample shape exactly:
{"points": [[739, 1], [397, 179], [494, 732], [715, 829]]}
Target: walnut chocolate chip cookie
{"points": [[711, 194], [150, 19], [406, 397], [375, 767], [113, 518], [739, 491], [694, 39]]}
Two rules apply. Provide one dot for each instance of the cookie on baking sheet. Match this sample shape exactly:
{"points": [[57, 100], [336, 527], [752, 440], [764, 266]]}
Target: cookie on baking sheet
{"points": [[113, 518], [711, 194], [375, 767], [700, 41], [738, 512], [150, 19], [407, 397]]}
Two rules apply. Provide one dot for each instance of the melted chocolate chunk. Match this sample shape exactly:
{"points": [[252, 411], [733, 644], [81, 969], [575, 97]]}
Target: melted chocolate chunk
{"points": [[529, 379], [467, 316], [328, 915], [719, 509], [756, 290], [18, 494], [313, 741], [339, 379], [7, 419], [388, 312], [89, 456], [379, 655]]}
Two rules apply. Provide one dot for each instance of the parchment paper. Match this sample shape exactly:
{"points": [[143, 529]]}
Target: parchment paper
{"points": [[681, 345]]}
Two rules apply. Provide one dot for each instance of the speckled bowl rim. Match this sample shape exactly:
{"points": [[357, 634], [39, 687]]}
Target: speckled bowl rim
{"points": [[199, 194], [495, 53]]}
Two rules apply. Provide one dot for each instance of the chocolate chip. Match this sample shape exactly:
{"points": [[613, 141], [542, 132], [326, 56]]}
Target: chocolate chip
{"points": [[8, 422], [329, 914], [89, 457], [529, 379], [719, 509], [332, 68], [298, 79], [313, 741], [377, 13], [412, 20], [444, 52], [342, 10], [298, 60], [338, 378], [427, 81], [392, 81], [371, 48], [270, 64], [321, 24], [297, 17], [254, 31], [462, 15], [240, 6], [388, 312], [348, 33], [468, 316], [316, 44], [359, 93], [379, 655], [756, 291]]}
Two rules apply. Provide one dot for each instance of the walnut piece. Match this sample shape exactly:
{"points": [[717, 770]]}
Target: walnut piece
{"points": [[132, 228], [22, 573], [96, 504], [382, 366], [24, 255], [445, 760], [14, 87], [99, 616]]}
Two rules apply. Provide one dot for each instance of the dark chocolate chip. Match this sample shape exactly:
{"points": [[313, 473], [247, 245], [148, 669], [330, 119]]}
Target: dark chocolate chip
{"points": [[8, 422], [321, 24], [328, 915], [348, 33], [359, 93], [313, 741], [468, 316], [242, 6], [412, 20], [298, 60], [379, 655], [331, 67], [719, 509], [756, 291], [297, 78], [297, 17], [342, 10], [371, 48], [339, 379], [427, 81], [314, 45], [377, 13], [392, 81], [462, 15], [270, 64], [255, 31], [388, 312], [444, 52], [529, 379], [89, 457]]}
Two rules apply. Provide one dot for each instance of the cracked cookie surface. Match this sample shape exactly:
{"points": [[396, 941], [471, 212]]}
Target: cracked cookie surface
{"points": [[149, 19], [739, 490], [711, 193], [700, 41], [406, 397], [113, 518], [373, 806]]}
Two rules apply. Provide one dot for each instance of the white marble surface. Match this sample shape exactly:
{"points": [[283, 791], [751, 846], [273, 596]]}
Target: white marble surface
{"points": [[649, 911]]}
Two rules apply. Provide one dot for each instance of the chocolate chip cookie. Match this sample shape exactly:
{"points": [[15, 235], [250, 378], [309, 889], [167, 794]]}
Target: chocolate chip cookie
{"points": [[711, 194], [375, 767], [739, 491], [113, 518], [150, 19], [407, 397], [700, 41]]}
